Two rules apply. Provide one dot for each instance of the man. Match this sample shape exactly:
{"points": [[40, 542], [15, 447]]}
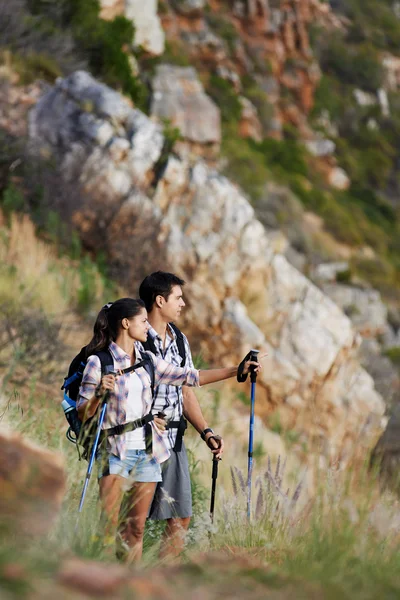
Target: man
{"points": [[163, 297]]}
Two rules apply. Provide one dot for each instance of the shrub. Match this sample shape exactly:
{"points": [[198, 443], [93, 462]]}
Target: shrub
{"points": [[245, 164], [355, 65], [394, 355], [222, 92], [265, 109], [12, 200], [286, 155], [223, 28]]}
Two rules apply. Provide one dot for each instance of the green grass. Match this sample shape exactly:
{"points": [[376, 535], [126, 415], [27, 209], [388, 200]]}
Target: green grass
{"points": [[340, 542]]}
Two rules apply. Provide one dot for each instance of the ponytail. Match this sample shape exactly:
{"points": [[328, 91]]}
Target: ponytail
{"points": [[109, 321], [101, 333]]}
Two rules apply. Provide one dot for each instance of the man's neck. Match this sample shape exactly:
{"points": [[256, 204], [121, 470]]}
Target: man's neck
{"points": [[158, 324]]}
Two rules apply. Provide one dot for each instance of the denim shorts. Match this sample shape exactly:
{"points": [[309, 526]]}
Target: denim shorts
{"points": [[137, 466]]}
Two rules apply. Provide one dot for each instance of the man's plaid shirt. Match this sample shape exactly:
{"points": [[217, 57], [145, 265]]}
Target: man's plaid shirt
{"points": [[165, 373], [169, 398]]}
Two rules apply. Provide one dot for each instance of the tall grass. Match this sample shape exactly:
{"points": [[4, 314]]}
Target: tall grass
{"points": [[342, 535]]}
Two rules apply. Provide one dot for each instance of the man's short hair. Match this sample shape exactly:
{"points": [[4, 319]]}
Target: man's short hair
{"points": [[159, 283]]}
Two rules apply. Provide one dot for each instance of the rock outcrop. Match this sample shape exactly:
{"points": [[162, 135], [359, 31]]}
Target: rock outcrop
{"points": [[147, 211]]}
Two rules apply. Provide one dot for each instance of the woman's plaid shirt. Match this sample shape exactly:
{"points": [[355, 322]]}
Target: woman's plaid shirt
{"points": [[165, 373]]}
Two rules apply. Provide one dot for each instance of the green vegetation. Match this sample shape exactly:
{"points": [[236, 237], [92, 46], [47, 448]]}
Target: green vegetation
{"points": [[49, 38]]}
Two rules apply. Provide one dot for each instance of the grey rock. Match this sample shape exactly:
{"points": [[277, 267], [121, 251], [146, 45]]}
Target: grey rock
{"points": [[149, 33], [364, 307], [328, 271], [320, 147], [189, 8], [178, 95]]}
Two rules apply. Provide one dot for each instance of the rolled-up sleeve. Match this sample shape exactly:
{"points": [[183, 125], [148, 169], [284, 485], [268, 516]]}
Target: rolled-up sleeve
{"points": [[90, 380], [169, 374]]}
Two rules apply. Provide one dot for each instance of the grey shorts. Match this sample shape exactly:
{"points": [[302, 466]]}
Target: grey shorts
{"points": [[173, 495]]}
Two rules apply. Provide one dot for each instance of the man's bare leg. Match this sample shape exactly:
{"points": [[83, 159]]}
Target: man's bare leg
{"points": [[174, 536]]}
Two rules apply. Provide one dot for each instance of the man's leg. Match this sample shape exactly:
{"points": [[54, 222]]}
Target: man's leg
{"points": [[173, 503], [173, 539]]}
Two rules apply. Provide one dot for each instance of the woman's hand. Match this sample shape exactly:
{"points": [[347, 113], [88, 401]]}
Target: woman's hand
{"points": [[160, 423], [107, 384]]}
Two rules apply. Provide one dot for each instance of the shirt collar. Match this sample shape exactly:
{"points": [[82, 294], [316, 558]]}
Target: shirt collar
{"points": [[154, 333], [118, 353]]}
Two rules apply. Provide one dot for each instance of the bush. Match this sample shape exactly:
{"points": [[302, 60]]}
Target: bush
{"points": [[223, 28], [222, 92], [394, 355], [245, 164], [287, 155], [355, 65], [53, 30]]}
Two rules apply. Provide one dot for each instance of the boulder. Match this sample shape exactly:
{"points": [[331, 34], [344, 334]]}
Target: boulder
{"points": [[148, 31], [32, 483]]}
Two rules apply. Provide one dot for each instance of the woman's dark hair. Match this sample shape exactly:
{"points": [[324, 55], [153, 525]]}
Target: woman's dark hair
{"points": [[159, 283], [109, 320]]}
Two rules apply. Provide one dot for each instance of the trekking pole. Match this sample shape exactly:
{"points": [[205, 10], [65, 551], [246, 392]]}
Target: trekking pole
{"points": [[213, 486], [253, 377], [108, 371]]}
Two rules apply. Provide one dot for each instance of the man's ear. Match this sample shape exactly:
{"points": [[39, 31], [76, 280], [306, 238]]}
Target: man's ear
{"points": [[159, 300]]}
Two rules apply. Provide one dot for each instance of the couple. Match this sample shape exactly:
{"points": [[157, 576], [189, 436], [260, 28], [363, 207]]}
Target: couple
{"points": [[130, 476]]}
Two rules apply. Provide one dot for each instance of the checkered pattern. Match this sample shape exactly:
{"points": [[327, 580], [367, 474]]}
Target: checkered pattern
{"points": [[165, 373], [169, 398]]}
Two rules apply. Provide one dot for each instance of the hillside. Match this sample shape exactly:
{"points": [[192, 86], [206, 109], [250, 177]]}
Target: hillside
{"points": [[251, 147]]}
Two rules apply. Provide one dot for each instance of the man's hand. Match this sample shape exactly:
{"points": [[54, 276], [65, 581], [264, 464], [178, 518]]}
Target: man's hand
{"points": [[215, 443]]}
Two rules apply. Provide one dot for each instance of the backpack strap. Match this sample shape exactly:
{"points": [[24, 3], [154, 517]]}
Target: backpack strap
{"points": [[181, 426], [106, 359], [126, 427], [149, 345], [180, 342]]}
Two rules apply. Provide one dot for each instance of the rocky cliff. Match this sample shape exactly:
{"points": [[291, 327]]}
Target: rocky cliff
{"points": [[148, 209]]}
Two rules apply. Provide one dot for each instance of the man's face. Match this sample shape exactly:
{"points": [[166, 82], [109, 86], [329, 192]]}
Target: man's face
{"points": [[171, 308]]}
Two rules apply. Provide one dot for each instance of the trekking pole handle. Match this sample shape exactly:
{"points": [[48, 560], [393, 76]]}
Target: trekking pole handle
{"points": [[253, 372]]}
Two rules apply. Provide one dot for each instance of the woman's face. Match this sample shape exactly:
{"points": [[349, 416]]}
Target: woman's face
{"points": [[139, 326]]}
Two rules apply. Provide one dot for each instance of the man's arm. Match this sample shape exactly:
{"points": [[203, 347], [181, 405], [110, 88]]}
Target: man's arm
{"points": [[193, 413]]}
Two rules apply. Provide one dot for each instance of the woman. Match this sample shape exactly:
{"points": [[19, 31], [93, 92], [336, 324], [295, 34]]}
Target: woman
{"points": [[126, 466]]}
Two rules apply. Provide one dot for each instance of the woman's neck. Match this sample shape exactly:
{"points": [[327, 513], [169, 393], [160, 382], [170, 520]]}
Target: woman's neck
{"points": [[127, 344]]}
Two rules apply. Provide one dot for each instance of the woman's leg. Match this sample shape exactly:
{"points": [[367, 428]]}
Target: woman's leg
{"points": [[111, 494], [136, 508]]}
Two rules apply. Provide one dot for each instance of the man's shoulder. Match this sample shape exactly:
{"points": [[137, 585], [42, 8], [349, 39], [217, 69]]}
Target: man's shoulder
{"points": [[178, 332]]}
